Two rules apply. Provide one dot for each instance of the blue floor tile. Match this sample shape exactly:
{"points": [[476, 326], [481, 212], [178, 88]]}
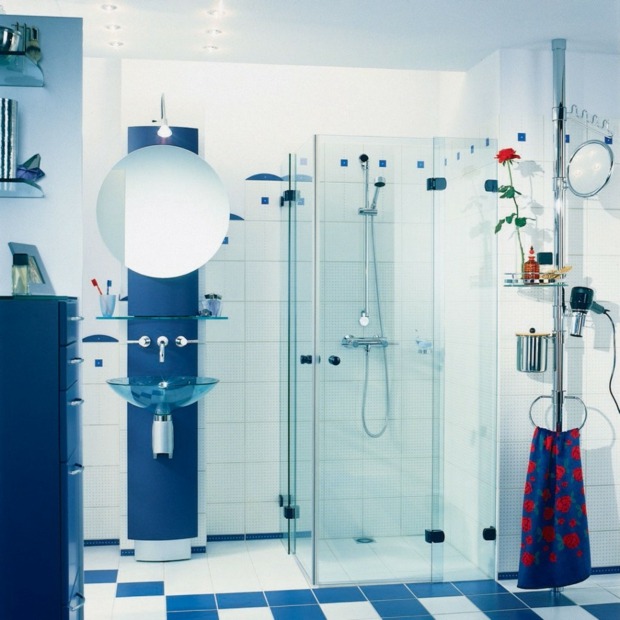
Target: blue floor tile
{"points": [[278, 598], [190, 602], [192, 615], [386, 592], [543, 598], [481, 586], [346, 594], [496, 602], [428, 590], [298, 612], [605, 611], [140, 588], [513, 614], [400, 608], [241, 599], [100, 576]]}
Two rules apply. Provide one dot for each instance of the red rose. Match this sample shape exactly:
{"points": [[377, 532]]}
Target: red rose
{"points": [[583, 509], [505, 155], [526, 524], [528, 488], [572, 522], [548, 533], [528, 505], [527, 559], [576, 453], [531, 467], [571, 540], [553, 557], [548, 442], [562, 504], [529, 540], [575, 433], [548, 513], [546, 494], [556, 450], [559, 471], [578, 474]]}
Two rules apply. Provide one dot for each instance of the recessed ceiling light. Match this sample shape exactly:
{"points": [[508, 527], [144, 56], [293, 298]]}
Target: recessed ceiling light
{"points": [[112, 27], [116, 44], [216, 12], [214, 32], [109, 7], [210, 48]]}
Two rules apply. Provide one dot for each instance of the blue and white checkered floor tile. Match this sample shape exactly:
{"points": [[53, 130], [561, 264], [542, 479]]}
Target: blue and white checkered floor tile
{"points": [[257, 580]]}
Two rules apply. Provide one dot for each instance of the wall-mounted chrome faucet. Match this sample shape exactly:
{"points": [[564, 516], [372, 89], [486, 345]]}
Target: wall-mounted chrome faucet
{"points": [[162, 343], [182, 341], [143, 341]]}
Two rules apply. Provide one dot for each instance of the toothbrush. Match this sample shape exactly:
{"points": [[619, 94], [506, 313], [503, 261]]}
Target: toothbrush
{"points": [[107, 288], [94, 283]]}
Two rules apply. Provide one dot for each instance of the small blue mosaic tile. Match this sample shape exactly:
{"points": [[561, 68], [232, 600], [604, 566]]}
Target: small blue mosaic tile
{"points": [[347, 594], [471, 149], [567, 138], [429, 590], [609, 140], [344, 163], [190, 602], [235, 600], [264, 200], [458, 156], [420, 164], [100, 576], [386, 592], [141, 588], [487, 142], [399, 608], [382, 163], [299, 612], [279, 598], [521, 137], [303, 161]]}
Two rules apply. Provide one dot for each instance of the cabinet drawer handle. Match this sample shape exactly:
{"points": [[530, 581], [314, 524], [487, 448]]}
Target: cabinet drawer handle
{"points": [[77, 602], [76, 469], [76, 402], [76, 360], [76, 318]]}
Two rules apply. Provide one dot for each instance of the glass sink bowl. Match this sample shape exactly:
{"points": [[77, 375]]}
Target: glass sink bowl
{"points": [[161, 396]]}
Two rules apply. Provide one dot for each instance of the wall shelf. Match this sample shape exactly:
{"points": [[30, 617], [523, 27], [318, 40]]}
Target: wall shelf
{"points": [[162, 318], [19, 188], [17, 69]]}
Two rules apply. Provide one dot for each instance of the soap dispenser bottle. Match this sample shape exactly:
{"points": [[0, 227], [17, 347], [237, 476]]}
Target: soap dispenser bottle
{"points": [[531, 268], [19, 274]]}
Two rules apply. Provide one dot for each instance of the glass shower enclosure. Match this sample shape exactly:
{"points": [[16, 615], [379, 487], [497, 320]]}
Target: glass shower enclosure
{"points": [[389, 369]]}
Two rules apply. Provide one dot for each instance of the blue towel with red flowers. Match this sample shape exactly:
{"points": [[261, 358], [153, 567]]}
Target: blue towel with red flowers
{"points": [[555, 548]]}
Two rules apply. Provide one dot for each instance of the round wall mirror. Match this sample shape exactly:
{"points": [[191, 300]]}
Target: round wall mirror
{"points": [[163, 211], [589, 168]]}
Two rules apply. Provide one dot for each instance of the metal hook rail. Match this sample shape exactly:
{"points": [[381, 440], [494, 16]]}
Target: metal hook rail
{"points": [[581, 116]]}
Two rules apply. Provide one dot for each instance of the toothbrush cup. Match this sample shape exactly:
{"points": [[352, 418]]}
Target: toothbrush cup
{"points": [[107, 304]]}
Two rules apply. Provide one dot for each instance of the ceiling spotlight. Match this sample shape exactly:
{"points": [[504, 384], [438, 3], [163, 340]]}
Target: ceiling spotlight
{"points": [[112, 27], [210, 48], [109, 7], [214, 32], [164, 130], [116, 44]]}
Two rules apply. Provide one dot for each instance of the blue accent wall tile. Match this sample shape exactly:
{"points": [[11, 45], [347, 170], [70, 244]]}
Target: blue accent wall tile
{"points": [[264, 200], [487, 142], [521, 137], [303, 161], [567, 138], [609, 140], [458, 156], [471, 149], [382, 163], [344, 163], [98, 363], [264, 176], [420, 164]]}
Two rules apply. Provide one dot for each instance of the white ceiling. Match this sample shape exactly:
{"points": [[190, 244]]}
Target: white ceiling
{"points": [[450, 35]]}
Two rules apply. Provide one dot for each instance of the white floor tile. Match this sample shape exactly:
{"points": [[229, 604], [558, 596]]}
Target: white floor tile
{"points": [[190, 577], [101, 558], [588, 596], [129, 569], [448, 605], [572, 612], [349, 611], [140, 608]]}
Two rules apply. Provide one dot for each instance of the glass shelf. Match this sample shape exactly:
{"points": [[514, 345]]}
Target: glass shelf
{"points": [[17, 69], [162, 318], [544, 280], [19, 188]]}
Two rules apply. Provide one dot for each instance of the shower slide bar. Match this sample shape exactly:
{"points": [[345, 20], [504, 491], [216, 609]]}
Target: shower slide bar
{"points": [[581, 116], [353, 342]]}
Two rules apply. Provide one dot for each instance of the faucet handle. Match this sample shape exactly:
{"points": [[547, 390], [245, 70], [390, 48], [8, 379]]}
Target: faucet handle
{"points": [[182, 341], [143, 341]]}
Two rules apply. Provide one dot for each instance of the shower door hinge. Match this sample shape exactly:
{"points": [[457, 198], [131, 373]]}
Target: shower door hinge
{"points": [[291, 512], [436, 184], [489, 533], [290, 195], [434, 536], [308, 359]]}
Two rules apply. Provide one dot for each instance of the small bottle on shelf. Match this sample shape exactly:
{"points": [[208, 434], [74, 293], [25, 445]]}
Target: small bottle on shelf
{"points": [[531, 268]]}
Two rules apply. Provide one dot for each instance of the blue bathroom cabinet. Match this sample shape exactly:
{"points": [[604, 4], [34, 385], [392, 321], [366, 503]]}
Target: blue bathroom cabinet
{"points": [[41, 533]]}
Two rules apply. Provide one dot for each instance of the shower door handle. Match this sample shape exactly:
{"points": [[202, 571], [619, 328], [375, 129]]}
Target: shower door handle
{"points": [[308, 359], [334, 360]]}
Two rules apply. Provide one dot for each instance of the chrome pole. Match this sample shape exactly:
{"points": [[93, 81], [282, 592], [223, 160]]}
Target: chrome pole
{"points": [[559, 199]]}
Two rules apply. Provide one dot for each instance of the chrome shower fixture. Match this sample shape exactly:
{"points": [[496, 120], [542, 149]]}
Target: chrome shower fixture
{"points": [[364, 161], [372, 209], [164, 130]]}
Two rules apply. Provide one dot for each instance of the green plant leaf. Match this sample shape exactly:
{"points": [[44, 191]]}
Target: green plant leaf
{"points": [[498, 226], [520, 222], [509, 218]]}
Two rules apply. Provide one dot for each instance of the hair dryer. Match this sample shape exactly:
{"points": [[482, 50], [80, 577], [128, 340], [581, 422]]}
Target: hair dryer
{"points": [[582, 300]]}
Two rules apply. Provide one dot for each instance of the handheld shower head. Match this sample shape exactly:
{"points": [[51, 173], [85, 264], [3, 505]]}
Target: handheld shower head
{"points": [[379, 183]]}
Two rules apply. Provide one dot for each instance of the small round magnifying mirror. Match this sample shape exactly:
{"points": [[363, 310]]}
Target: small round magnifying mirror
{"points": [[589, 168]]}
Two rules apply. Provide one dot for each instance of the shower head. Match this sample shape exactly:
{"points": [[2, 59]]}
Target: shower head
{"points": [[379, 183], [364, 158]]}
